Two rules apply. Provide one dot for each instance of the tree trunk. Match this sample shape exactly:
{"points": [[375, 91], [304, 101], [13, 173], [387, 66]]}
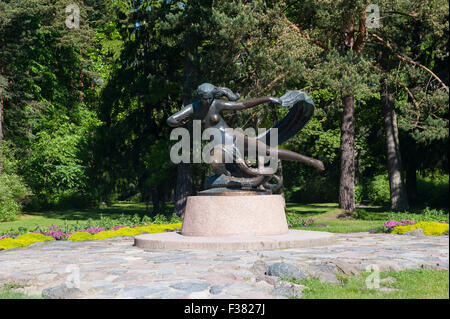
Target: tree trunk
{"points": [[411, 177], [1, 121], [347, 182], [184, 170], [156, 201], [1, 132], [183, 188], [399, 200]]}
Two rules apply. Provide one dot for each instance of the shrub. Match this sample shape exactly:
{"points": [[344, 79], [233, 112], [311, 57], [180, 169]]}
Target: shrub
{"points": [[427, 215], [432, 190], [314, 189], [378, 190], [13, 194], [359, 191]]}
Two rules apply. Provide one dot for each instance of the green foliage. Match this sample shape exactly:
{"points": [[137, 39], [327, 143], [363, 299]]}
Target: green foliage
{"points": [[47, 111], [314, 189], [13, 191], [378, 190], [433, 189], [427, 215], [84, 109], [57, 158], [359, 189]]}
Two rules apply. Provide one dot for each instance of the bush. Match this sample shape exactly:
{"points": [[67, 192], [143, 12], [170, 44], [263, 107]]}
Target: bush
{"points": [[427, 215], [432, 190], [317, 189], [359, 191], [378, 190], [13, 194]]}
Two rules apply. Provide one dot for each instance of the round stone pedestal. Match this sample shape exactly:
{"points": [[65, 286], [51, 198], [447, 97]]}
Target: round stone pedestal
{"points": [[292, 239], [231, 222], [223, 216]]}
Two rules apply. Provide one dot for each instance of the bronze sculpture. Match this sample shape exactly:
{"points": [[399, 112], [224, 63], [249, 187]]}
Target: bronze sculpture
{"points": [[240, 177]]}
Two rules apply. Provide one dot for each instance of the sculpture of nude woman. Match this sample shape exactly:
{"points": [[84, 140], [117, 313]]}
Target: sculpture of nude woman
{"points": [[208, 109]]}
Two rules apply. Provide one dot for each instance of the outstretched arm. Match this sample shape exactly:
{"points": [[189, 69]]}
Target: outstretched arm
{"points": [[181, 117], [235, 106]]}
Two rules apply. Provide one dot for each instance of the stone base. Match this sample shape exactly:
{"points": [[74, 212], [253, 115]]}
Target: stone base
{"points": [[176, 241], [223, 216]]}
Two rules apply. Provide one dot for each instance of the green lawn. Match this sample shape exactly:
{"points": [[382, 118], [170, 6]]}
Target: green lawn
{"points": [[31, 220], [7, 291], [327, 213], [411, 284], [8, 294]]}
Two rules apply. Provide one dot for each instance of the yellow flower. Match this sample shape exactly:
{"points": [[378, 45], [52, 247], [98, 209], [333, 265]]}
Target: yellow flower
{"points": [[125, 231], [27, 239], [429, 228], [23, 240], [155, 228], [81, 236], [9, 243]]}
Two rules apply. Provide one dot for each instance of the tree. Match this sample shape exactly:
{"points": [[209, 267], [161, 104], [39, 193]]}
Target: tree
{"points": [[338, 27], [45, 77], [399, 200], [409, 46]]}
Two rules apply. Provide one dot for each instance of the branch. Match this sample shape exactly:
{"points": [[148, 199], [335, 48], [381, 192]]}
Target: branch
{"points": [[307, 36], [413, 15], [409, 60], [251, 116], [362, 36], [413, 99], [278, 78]]}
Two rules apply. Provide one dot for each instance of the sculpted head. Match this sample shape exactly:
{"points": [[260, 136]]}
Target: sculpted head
{"points": [[208, 92]]}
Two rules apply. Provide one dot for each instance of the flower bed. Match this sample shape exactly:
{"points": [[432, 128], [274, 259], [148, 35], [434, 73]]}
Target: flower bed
{"points": [[23, 240], [429, 228], [93, 233], [391, 224], [300, 222], [404, 226]]}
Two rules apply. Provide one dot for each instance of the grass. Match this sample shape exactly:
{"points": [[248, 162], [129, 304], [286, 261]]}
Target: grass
{"points": [[327, 213], [30, 220], [7, 291], [411, 284]]}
